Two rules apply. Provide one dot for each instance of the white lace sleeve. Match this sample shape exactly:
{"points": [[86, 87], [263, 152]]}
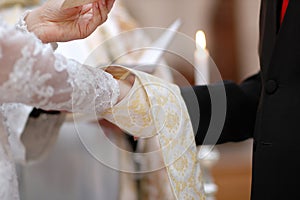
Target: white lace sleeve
{"points": [[31, 73]]}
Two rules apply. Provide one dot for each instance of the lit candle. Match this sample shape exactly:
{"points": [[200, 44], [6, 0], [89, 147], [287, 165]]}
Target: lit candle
{"points": [[201, 57]]}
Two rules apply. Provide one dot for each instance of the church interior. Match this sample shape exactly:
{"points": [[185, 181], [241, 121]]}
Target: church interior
{"points": [[68, 170]]}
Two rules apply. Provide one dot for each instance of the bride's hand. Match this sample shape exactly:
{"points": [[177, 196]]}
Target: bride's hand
{"points": [[125, 86], [51, 23]]}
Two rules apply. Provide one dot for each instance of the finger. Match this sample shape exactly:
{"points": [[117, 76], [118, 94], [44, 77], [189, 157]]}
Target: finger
{"points": [[86, 8], [110, 4], [103, 12], [98, 16], [101, 2], [71, 11]]}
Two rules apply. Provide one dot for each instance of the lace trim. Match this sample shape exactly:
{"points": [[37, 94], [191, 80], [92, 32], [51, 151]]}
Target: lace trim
{"points": [[21, 25], [74, 87], [41, 78], [8, 178], [93, 89]]}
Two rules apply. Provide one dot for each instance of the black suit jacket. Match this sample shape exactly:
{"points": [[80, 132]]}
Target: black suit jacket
{"points": [[265, 107]]}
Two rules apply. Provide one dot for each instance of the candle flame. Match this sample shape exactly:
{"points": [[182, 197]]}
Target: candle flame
{"points": [[200, 39]]}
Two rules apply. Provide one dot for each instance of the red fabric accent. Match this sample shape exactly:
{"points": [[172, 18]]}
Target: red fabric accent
{"points": [[285, 4]]}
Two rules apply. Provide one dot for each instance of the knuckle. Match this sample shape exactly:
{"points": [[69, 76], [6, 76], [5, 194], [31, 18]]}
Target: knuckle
{"points": [[105, 18]]}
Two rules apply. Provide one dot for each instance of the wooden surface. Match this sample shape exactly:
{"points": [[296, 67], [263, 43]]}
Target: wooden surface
{"points": [[232, 173]]}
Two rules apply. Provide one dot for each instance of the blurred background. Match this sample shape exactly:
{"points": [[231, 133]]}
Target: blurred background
{"points": [[231, 28]]}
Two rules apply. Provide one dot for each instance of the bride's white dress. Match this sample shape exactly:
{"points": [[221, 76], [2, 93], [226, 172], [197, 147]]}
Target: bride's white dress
{"points": [[31, 73]]}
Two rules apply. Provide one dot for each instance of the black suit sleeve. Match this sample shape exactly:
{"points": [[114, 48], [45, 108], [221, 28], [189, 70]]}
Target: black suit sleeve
{"points": [[36, 112], [242, 102]]}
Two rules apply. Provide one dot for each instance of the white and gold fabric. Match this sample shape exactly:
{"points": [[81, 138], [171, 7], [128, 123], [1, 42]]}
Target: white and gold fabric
{"points": [[154, 108]]}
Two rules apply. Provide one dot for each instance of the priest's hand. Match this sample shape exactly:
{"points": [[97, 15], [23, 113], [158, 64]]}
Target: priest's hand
{"points": [[51, 23]]}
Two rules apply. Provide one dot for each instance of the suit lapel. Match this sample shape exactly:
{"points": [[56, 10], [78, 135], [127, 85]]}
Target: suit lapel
{"points": [[286, 50], [292, 16], [268, 29]]}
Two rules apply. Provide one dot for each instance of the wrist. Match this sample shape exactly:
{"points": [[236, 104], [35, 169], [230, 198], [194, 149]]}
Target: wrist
{"points": [[124, 78], [125, 87]]}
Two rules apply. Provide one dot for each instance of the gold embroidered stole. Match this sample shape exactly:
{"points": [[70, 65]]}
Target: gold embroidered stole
{"points": [[154, 108]]}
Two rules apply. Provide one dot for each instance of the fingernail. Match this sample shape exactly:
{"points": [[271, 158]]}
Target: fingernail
{"points": [[103, 2]]}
